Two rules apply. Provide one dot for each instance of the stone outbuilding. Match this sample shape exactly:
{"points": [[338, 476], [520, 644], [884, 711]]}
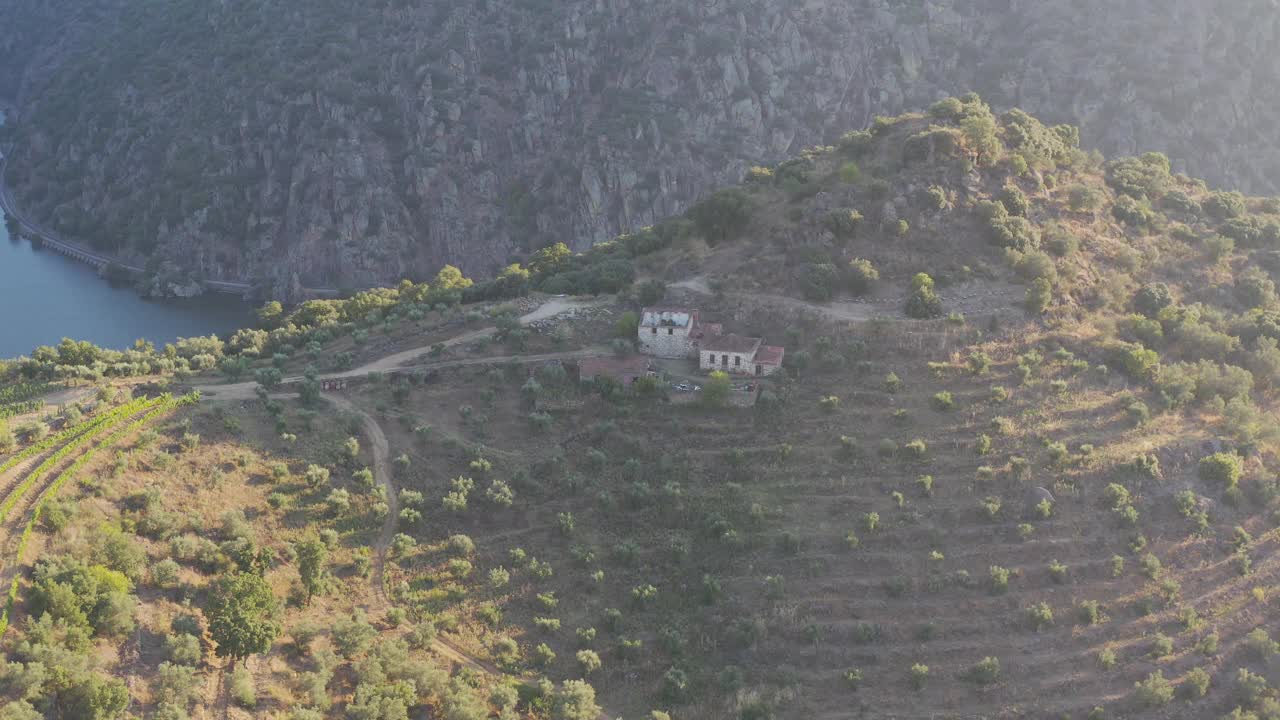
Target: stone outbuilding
{"points": [[740, 355]]}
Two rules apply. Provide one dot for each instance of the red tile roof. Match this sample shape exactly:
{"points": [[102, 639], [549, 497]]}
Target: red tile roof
{"points": [[731, 343], [770, 355]]}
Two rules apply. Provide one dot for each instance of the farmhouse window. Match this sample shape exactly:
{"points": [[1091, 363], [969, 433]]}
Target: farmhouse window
{"points": [[737, 361], [671, 331]]}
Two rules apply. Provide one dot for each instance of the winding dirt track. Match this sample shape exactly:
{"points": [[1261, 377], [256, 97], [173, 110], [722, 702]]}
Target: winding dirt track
{"points": [[402, 360], [381, 450]]}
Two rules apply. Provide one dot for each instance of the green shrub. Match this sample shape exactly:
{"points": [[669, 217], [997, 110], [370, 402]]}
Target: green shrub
{"points": [[1083, 198], [1250, 687], [1014, 200], [183, 649], [1151, 566], [991, 507], [1116, 496], [999, 579], [1087, 611], [943, 401], [1039, 296], [923, 303], [1208, 645], [985, 672], [1194, 684], [1138, 412], [949, 109], [892, 383], [1040, 616], [915, 450], [1222, 205], [1154, 691], [1218, 247], [1138, 362], [982, 446], [1137, 213], [861, 276], [918, 675], [819, 281], [242, 688], [1260, 644], [722, 215], [844, 222], [1222, 469], [1181, 202], [1152, 298], [588, 661]]}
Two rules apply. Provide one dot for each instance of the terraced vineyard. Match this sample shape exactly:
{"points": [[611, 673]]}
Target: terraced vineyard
{"points": [[19, 399], [26, 494]]}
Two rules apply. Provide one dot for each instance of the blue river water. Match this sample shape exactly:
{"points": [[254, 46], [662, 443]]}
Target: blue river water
{"points": [[45, 297]]}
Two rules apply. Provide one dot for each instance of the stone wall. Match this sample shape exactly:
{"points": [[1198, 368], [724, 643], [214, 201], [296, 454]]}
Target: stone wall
{"points": [[738, 364], [666, 342]]}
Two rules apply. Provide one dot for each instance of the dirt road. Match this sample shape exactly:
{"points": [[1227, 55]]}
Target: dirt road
{"points": [[402, 360], [381, 450]]}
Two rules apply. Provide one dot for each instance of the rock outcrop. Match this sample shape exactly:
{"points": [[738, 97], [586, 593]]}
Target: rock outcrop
{"points": [[352, 143]]}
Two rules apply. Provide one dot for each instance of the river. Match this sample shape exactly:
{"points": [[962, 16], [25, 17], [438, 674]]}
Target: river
{"points": [[45, 297]]}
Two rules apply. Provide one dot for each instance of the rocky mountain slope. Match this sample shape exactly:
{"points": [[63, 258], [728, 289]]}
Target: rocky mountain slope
{"points": [[342, 143]]}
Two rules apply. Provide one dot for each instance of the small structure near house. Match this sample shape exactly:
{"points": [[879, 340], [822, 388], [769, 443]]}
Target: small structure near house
{"points": [[740, 355], [625, 370]]}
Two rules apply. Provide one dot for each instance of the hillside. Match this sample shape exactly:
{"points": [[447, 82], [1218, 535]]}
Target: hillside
{"points": [[1021, 462], [352, 144]]}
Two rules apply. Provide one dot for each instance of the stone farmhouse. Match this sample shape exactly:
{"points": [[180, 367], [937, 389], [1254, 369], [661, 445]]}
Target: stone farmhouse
{"points": [[740, 355], [675, 332], [670, 332]]}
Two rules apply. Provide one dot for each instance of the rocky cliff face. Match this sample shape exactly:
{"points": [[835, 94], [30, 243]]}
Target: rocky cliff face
{"points": [[347, 143]]}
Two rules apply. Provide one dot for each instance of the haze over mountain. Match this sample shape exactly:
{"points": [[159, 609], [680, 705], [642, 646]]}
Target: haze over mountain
{"points": [[334, 143]]}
